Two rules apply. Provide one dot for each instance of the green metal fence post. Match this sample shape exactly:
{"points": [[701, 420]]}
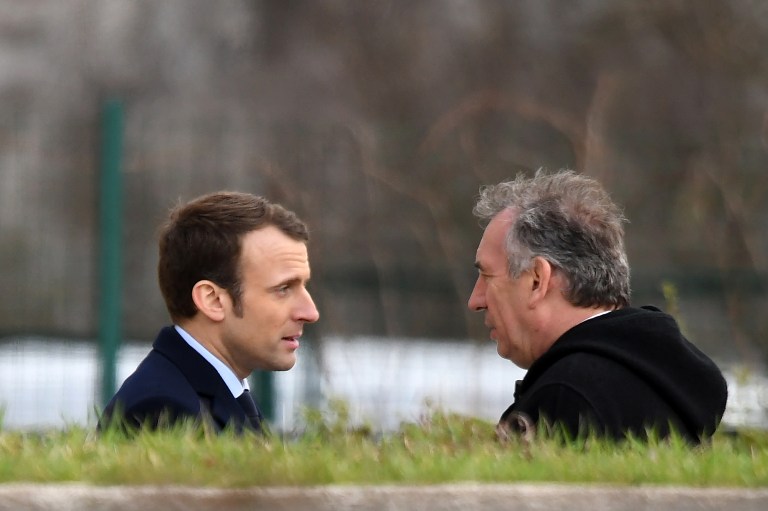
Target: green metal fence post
{"points": [[263, 383], [110, 209]]}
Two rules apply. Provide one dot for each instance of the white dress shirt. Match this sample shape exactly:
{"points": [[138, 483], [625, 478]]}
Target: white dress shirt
{"points": [[235, 385]]}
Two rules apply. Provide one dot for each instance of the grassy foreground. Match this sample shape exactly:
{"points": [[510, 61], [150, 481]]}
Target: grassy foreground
{"points": [[440, 449]]}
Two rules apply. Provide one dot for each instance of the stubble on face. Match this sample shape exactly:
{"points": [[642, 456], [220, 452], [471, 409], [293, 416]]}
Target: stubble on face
{"points": [[275, 302], [501, 296]]}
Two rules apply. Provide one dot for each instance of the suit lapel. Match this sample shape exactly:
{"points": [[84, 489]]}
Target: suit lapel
{"points": [[202, 377]]}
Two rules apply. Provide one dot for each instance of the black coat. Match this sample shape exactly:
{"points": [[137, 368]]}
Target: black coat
{"points": [[622, 372], [174, 383]]}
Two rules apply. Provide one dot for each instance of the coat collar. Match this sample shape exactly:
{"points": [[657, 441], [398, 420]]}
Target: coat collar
{"points": [[202, 377]]}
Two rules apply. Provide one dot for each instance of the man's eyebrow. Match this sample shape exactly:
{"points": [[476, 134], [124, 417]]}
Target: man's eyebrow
{"points": [[290, 281], [478, 265]]}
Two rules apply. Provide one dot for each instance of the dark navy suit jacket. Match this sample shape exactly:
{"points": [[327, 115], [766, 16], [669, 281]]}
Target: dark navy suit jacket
{"points": [[171, 384]]}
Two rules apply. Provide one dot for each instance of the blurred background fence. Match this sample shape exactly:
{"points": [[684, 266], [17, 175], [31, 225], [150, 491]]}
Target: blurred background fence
{"points": [[377, 122], [384, 381]]}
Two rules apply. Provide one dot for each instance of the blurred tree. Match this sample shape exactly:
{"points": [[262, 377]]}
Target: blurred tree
{"points": [[378, 121]]}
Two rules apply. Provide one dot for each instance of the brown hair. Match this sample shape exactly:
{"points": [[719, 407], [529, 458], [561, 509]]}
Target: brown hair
{"points": [[201, 240]]}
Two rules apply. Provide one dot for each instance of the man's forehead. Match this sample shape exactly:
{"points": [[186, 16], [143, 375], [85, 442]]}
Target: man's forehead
{"points": [[496, 232], [491, 251], [270, 245], [503, 218]]}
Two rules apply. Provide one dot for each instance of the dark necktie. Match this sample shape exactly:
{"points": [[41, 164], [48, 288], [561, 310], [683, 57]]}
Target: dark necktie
{"points": [[250, 409]]}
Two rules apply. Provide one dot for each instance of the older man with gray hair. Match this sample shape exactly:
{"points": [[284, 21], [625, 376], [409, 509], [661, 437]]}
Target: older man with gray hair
{"points": [[554, 286]]}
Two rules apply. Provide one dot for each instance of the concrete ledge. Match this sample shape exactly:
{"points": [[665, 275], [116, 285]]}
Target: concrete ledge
{"points": [[492, 497]]}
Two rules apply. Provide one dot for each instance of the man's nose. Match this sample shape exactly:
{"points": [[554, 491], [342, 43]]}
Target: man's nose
{"points": [[477, 298], [308, 312]]}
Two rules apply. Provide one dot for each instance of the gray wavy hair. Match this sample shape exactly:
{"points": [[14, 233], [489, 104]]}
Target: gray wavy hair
{"points": [[569, 220]]}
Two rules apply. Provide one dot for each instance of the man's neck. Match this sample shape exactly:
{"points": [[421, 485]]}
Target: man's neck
{"points": [[559, 319], [234, 382]]}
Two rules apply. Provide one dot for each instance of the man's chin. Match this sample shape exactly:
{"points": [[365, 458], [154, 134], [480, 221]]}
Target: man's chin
{"points": [[503, 354], [285, 365]]}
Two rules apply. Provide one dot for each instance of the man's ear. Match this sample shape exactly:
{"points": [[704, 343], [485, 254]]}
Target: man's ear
{"points": [[541, 279], [210, 299]]}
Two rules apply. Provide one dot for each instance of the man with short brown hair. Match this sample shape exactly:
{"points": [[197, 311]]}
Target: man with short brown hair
{"points": [[233, 271]]}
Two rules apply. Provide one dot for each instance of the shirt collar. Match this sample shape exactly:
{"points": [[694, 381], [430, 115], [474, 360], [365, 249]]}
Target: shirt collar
{"points": [[596, 315], [234, 384]]}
